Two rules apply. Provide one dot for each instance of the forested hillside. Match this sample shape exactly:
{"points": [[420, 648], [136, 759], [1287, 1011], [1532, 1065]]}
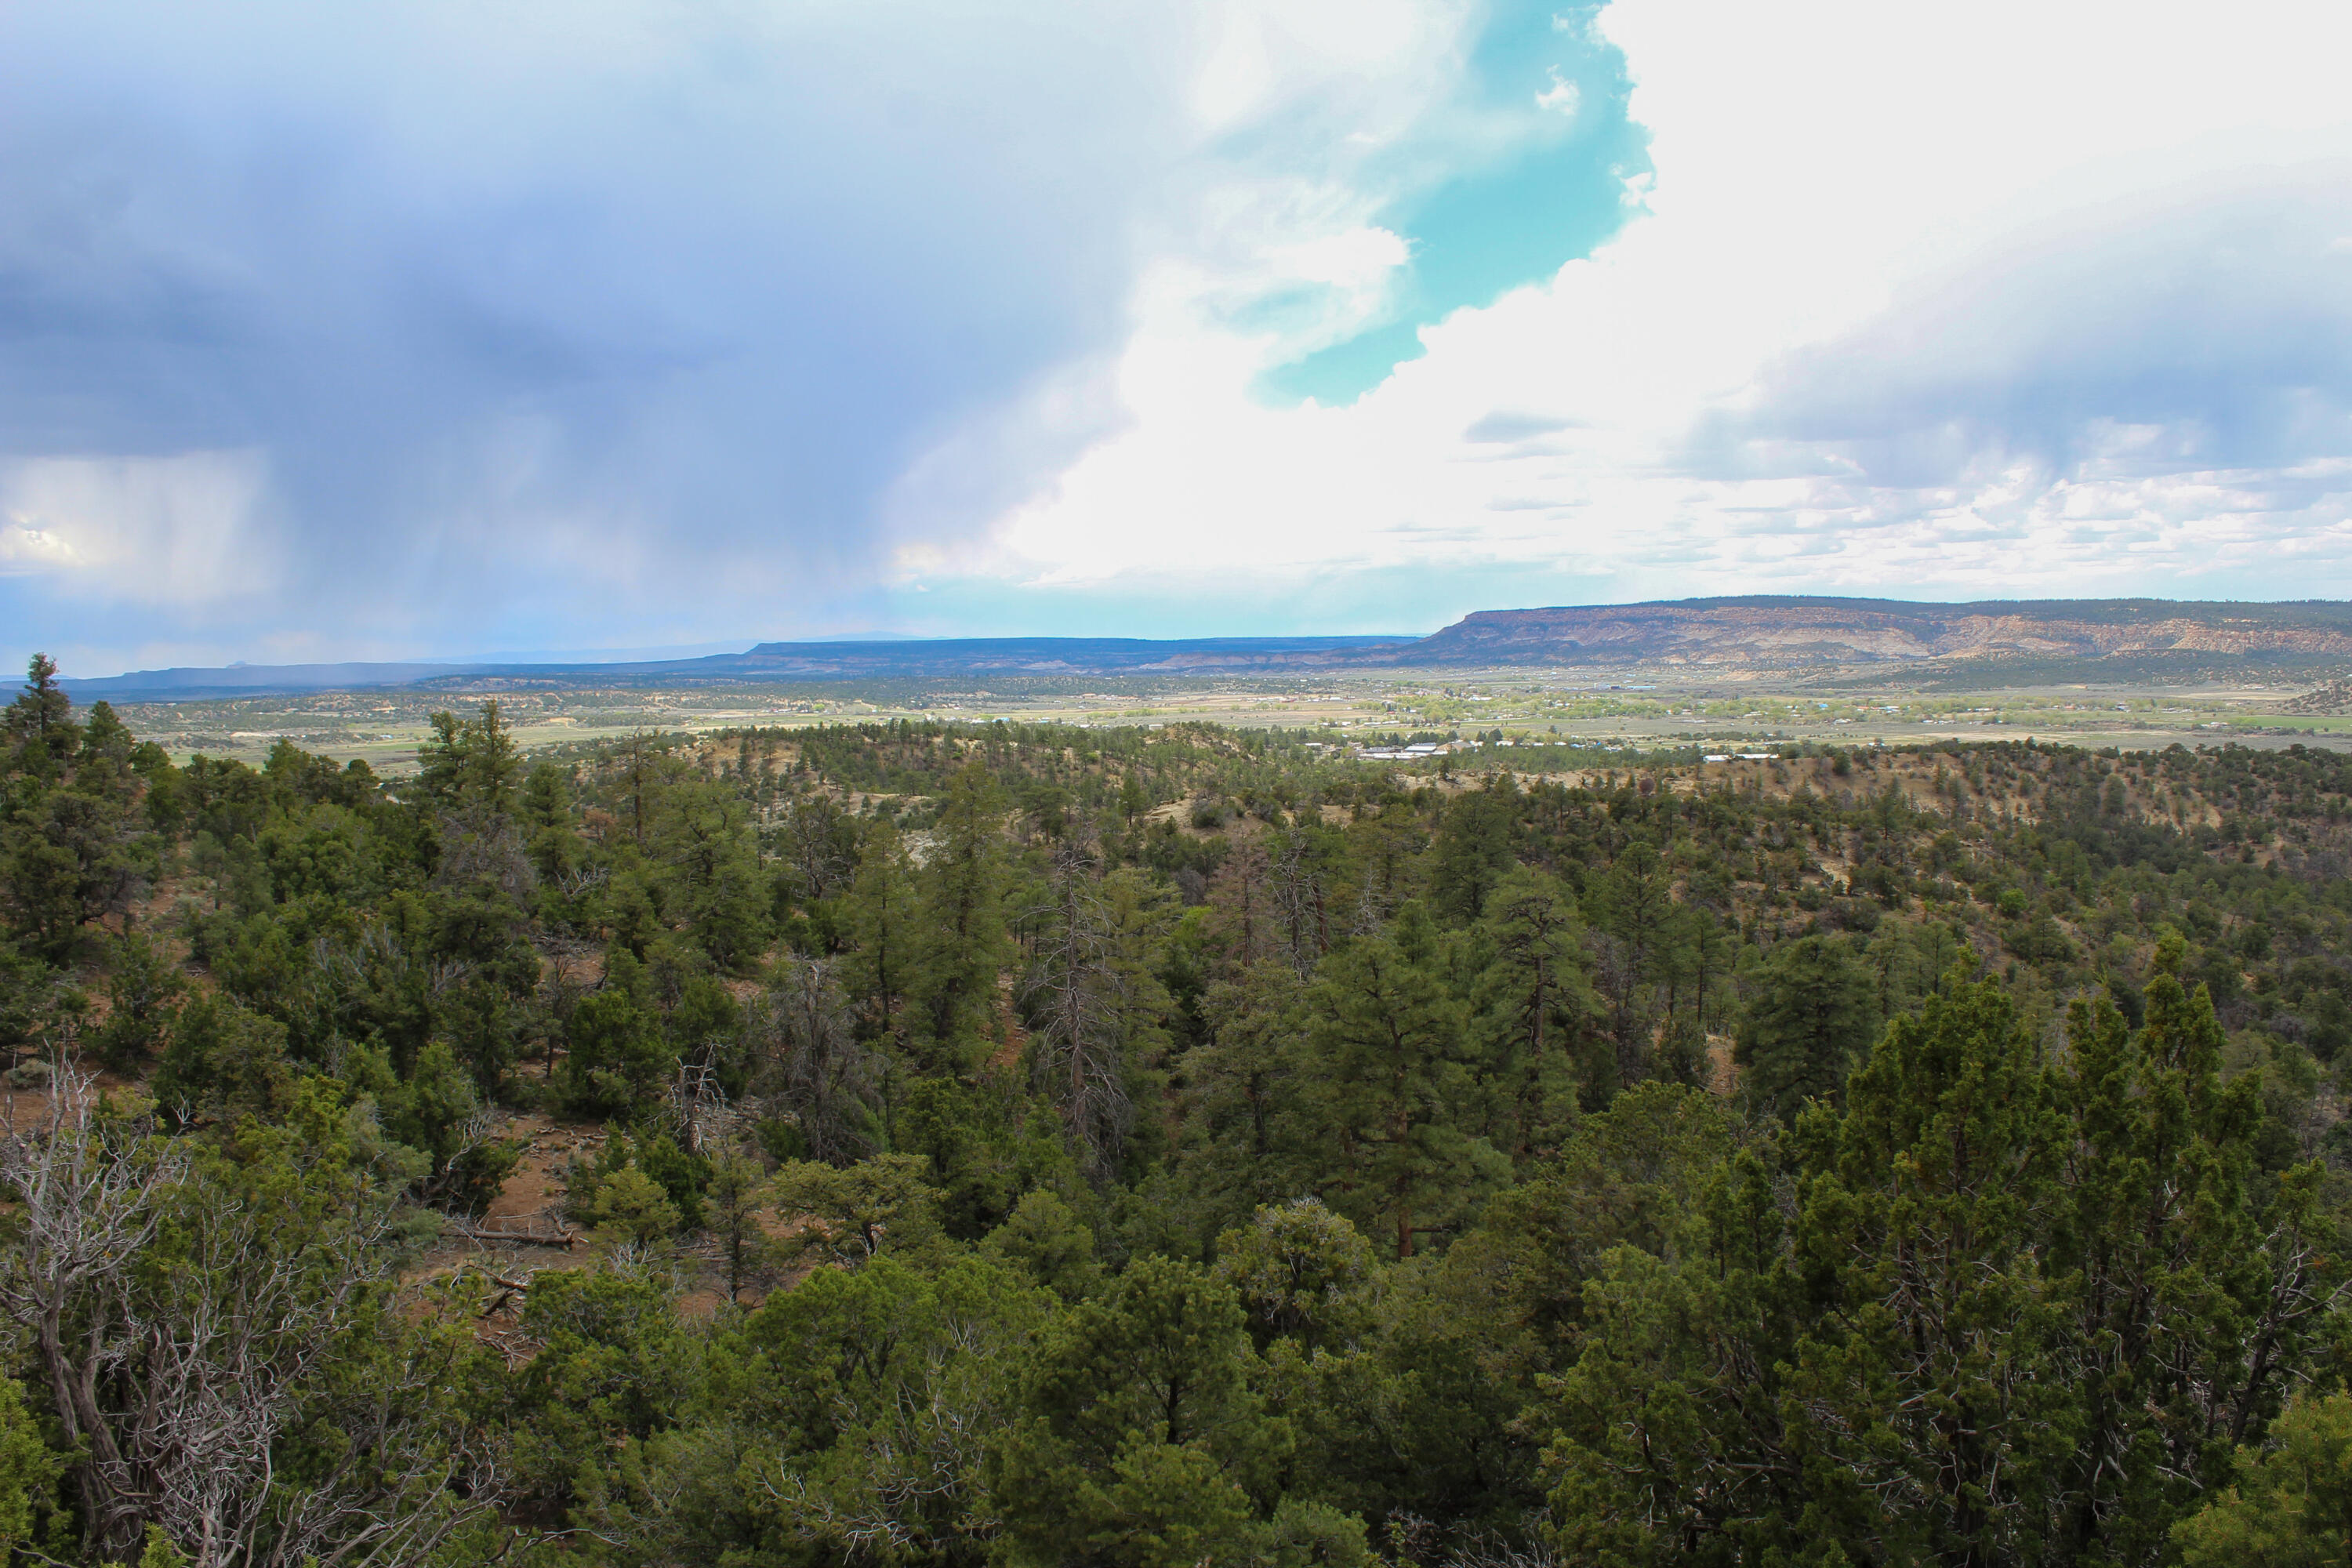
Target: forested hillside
{"points": [[1156, 1147]]}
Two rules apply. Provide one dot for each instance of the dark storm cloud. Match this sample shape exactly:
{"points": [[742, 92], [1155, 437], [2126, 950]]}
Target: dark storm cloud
{"points": [[596, 301]]}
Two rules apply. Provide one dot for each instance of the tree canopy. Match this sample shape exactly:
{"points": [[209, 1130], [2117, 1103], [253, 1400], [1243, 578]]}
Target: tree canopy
{"points": [[916, 1143]]}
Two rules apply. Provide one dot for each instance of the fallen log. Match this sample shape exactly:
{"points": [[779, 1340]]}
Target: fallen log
{"points": [[560, 1235]]}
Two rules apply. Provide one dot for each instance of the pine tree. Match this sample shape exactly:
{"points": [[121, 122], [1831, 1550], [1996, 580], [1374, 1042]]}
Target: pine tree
{"points": [[1391, 1084], [1536, 1006], [1810, 1022], [471, 764], [2191, 1301], [1142, 1443], [1934, 1384], [964, 947], [38, 725], [884, 918], [2289, 1502], [1474, 851]]}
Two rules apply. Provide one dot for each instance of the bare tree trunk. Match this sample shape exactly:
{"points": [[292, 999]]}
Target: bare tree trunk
{"points": [[1076, 1049], [176, 1379]]}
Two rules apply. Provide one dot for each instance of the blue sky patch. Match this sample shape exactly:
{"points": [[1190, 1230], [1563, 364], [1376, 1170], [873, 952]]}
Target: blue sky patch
{"points": [[1524, 172]]}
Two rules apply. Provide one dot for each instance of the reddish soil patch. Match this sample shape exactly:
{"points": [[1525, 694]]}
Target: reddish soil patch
{"points": [[531, 1200], [1013, 1039], [1723, 1073], [27, 1108]]}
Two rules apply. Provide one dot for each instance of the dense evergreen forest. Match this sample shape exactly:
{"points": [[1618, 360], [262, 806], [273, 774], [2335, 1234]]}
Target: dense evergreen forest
{"points": [[1162, 1147]]}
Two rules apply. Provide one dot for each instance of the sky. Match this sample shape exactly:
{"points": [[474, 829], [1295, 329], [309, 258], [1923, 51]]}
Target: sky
{"points": [[339, 331]]}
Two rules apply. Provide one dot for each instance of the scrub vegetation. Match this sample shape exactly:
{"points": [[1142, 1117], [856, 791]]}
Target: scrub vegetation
{"points": [[1645, 707], [1038, 1145]]}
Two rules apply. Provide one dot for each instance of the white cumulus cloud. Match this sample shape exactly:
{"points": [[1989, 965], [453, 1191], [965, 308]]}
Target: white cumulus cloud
{"points": [[2010, 297]]}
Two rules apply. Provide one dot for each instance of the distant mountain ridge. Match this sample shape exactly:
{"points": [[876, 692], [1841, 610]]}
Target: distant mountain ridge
{"points": [[1064, 656], [2126, 636], [914, 659], [1776, 632]]}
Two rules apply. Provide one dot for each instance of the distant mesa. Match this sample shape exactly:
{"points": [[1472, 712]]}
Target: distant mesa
{"points": [[243, 680], [1063, 655], [1772, 632], [769, 663], [2078, 638]]}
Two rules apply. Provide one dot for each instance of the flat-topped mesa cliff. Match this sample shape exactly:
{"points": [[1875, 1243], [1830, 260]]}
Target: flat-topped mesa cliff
{"points": [[1772, 632], [2035, 640], [1055, 656]]}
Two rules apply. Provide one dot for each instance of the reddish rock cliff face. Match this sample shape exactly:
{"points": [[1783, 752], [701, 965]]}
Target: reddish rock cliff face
{"points": [[1793, 632]]}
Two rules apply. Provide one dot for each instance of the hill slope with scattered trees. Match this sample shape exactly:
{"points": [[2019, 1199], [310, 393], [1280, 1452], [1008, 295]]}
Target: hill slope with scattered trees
{"points": [[1058, 1146]]}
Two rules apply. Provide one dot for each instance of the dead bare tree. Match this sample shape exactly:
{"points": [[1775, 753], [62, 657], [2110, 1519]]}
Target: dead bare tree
{"points": [[706, 1118], [477, 1129], [382, 958], [186, 1331], [485, 846], [811, 842], [1302, 927], [811, 1064], [90, 1200], [1074, 986]]}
